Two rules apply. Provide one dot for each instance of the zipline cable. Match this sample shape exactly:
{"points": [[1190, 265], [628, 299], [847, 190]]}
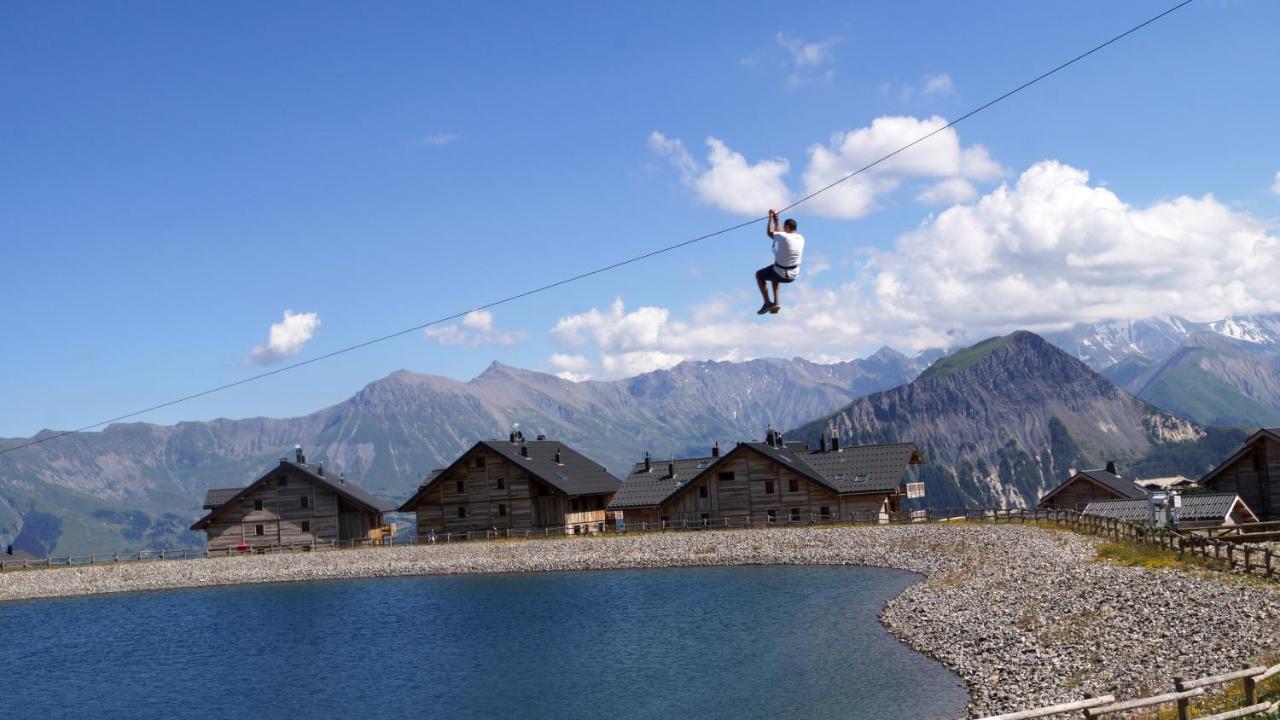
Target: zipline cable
{"points": [[607, 268]]}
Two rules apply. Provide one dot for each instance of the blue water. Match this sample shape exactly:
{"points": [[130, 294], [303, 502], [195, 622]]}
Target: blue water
{"points": [[705, 643]]}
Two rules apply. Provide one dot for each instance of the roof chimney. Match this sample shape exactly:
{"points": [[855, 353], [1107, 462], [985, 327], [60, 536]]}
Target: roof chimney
{"points": [[524, 451], [541, 437], [1111, 467], [342, 479], [648, 466], [822, 444], [320, 469], [835, 443], [715, 450], [297, 453], [671, 468], [558, 457], [512, 437]]}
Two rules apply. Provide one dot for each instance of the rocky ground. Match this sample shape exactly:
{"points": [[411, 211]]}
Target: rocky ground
{"points": [[1024, 615]]}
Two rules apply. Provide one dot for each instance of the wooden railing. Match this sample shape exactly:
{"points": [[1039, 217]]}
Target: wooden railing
{"points": [[1216, 552], [1184, 691]]}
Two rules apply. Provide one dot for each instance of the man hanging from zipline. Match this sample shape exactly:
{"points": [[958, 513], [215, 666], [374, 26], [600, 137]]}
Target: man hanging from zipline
{"points": [[788, 247]]}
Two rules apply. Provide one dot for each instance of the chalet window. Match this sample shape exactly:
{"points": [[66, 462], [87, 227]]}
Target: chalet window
{"points": [[793, 485], [462, 486], [824, 511], [462, 512], [257, 505], [479, 461], [282, 480], [502, 510], [773, 515], [573, 505], [502, 483], [666, 519], [702, 491], [768, 487], [306, 526], [304, 502], [726, 477], [795, 514], [705, 517], [259, 530]]}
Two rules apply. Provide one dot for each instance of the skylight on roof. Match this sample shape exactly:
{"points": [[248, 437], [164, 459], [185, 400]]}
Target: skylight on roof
{"points": [[859, 478], [561, 477]]}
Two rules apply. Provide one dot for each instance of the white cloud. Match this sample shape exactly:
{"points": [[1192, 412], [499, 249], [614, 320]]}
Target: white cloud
{"points": [[728, 181], [1052, 249], [285, 338], [475, 329], [948, 192], [1275, 186], [1043, 252], [439, 139], [807, 59], [941, 156], [939, 84], [806, 54]]}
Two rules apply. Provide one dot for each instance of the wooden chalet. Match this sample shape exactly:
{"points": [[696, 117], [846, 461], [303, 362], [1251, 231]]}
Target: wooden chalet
{"points": [[515, 484], [1089, 486], [1253, 473], [770, 482], [293, 504], [1213, 510]]}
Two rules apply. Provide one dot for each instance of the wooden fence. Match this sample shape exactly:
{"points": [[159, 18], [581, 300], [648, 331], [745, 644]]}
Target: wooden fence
{"points": [[1232, 555], [1183, 692]]}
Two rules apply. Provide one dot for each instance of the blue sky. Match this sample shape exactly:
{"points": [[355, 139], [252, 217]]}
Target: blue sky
{"points": [[175, 178]]}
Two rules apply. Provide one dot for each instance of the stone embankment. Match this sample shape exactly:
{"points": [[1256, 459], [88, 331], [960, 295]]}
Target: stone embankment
{"points": [[1024, 615]]}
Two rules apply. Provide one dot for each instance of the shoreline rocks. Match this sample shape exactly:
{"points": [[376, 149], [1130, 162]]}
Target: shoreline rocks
{"points": [[1024, 615]]}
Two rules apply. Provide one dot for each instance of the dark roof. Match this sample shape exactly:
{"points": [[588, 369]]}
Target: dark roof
{"points": [[1273, 433], [574, 475], [1124, 487], [859, 469], [328, 479], [882, 467], [217, 496], [646, 489], [1195, 508]]}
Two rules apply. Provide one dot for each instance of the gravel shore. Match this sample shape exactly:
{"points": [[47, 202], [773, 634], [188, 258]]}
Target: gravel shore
{"points": [[1024, 615]]}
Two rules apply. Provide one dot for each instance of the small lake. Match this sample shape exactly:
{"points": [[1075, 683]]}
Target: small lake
{"points": [[701, 643]]}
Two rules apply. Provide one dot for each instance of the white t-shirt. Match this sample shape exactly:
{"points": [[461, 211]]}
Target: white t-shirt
{"points": [[788, 249]]}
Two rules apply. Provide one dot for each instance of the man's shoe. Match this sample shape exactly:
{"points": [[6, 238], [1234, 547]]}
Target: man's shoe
{"points": [[766, 307], [775, 308]]}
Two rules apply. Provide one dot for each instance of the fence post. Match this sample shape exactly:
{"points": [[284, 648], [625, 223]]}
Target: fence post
{"points": [[1184, 704], [1250, 689], [1246, 550], [1266, 560]]}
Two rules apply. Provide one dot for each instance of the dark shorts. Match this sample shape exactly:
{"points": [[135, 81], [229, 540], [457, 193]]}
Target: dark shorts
{"points": [[770, 274]]}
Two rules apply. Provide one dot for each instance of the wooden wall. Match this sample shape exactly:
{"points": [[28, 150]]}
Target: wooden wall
{"points": [[1079, 493], [282, 515], [495, 494], [740, 488], [1255, 477]]}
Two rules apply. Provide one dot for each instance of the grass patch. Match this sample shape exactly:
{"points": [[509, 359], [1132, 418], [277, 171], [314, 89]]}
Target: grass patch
{"points": [[1133, 555], [1231, 698]]}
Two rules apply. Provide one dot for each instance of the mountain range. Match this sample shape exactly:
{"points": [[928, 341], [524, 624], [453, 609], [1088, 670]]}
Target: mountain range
{"points": [[999, 422], [1005, 420], [140, 485], [1225, 372]]}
